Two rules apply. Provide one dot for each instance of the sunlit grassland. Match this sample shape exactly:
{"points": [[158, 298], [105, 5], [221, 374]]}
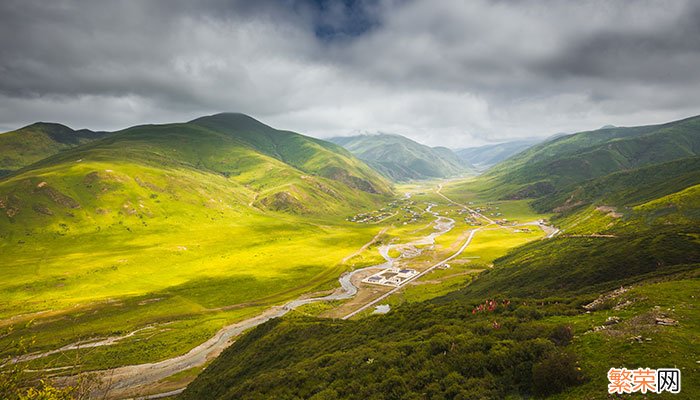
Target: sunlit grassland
{"points": [[586, 221], [436, 283], [187, 274], [243, 269], [182, 258], [486, 246], [489, 244], [470, 189], [173, 332], [315, 309], [177, 248]]}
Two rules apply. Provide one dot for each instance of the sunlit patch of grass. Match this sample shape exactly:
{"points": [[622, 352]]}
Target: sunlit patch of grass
{"points": [[615, 346], [489, 245]]}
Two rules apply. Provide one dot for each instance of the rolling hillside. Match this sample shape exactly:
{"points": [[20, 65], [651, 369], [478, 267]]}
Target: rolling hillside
{"points": [[626, 188], [402, 159], [549, 318], [234, 149], [491, 154], [35, 142], [567, 160]]}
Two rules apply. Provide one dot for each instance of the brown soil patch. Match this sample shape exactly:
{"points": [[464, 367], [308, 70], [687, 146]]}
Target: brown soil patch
{"points": [[611, 211]]}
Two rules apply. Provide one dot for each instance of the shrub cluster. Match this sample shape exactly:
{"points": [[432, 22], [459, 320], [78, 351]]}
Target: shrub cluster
{"points": [[418, 351]]}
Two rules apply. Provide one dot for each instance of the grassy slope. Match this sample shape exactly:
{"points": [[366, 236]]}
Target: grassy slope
{"points": [[304, 153], [627, 188], [654, 232], [574, 158], [35, 142], [402, 159], [174, 218], [442, 350]]}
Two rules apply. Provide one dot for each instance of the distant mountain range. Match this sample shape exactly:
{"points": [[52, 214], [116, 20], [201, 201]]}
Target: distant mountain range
{"points": [[485, 156], [402, 159]]}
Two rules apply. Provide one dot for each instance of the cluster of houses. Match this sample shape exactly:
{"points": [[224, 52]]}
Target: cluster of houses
{"points": [[365, 218], [395, 207], [391, 276]]}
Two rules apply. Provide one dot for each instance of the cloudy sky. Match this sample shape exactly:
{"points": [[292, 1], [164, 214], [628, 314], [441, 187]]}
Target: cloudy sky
{"points": [[454, 73]]}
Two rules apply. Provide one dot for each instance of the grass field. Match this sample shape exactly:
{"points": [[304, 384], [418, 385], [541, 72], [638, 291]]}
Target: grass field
{"points": [[216, 274], [175, 271]]}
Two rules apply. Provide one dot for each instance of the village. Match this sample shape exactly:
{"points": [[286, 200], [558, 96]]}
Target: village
{"points": [[406, 207]]}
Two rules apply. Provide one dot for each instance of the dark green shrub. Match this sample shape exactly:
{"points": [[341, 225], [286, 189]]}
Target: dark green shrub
{"points": [[555, 373], [561, 335]]}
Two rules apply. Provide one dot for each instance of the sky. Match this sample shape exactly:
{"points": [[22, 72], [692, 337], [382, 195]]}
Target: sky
{"points": [[452, 73]]}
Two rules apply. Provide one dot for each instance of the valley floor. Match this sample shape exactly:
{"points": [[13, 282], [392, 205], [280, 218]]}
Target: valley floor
{"points": [[445, 241]]}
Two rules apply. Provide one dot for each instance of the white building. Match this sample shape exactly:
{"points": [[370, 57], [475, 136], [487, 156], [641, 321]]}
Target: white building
{"points": [[391, 276]]}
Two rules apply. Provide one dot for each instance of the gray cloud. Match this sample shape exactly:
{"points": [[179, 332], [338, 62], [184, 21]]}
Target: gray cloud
{"points": [[443, 72]]}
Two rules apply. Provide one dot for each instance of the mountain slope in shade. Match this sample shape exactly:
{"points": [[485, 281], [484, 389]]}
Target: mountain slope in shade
{"points": [[627, 188], [35, 142], [402, 159], [556, 164], [491, 154]]}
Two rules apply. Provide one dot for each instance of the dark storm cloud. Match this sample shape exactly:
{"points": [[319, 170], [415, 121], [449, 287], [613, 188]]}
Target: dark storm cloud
{"points": [[444, 72], [660, 54]]}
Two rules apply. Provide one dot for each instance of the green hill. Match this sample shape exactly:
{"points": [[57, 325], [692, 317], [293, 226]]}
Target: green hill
{"points": [[491, 154], [402, 159], [35, 142], [302, 152], [567, 160], [305, 175], [626, 188]]}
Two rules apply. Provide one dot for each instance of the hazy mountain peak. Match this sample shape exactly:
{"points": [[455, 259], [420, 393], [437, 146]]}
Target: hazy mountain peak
{"points": [[401, 158]]}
